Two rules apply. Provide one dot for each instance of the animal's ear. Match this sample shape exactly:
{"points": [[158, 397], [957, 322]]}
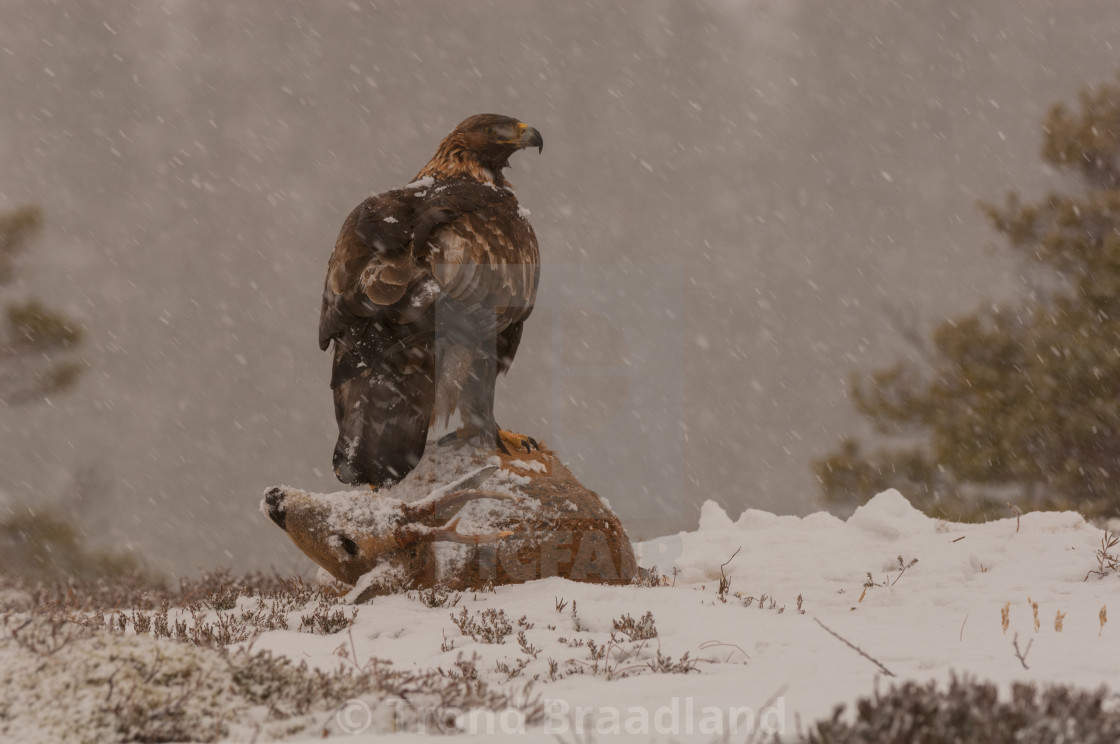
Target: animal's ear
{"points": [[342, 546]]}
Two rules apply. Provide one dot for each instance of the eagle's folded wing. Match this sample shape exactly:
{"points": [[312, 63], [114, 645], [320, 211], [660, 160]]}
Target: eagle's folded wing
{"points": [[488, 259], [372, 266]]}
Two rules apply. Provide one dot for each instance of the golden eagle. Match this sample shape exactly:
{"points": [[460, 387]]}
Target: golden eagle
{"points": [[426, 293]]}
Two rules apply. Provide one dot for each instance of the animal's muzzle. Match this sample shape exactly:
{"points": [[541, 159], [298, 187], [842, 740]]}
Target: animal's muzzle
{"points": [[274, 507]]}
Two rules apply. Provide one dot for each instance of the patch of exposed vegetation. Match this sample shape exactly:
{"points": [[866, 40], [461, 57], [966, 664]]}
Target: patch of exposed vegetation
{"points": [[912, 713]]}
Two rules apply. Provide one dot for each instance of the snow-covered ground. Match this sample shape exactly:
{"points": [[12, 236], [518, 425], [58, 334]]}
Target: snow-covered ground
{"points": [[760, 657], [762, 660]]}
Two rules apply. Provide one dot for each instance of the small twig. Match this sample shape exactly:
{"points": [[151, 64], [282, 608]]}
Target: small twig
{"points": [[855, 648], [1106, 561], [962, 626], [711, 644], [902, 568], [724, 582], [730, 559], [759, 730], [1022, 655], [960, 538], [1018, 514], [353, 648]]}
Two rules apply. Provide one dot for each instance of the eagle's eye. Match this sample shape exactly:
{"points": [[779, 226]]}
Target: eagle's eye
{"points": [[489, 130]]}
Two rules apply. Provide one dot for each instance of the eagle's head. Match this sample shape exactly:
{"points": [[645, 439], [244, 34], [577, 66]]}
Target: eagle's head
{"points": [[480, 148]]}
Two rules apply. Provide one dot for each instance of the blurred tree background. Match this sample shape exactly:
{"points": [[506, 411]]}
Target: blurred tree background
{"points": [[1017, 402], [34, 337], [37, 346]]}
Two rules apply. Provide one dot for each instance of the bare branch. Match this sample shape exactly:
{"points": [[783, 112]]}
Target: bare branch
{"points": [[1022, 655], [1018, 514], [855, 648]]}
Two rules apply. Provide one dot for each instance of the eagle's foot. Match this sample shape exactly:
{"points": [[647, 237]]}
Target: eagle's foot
{"points": [[478, 435], [448, 439], [498, 441], [506, 442], [509, 441]]}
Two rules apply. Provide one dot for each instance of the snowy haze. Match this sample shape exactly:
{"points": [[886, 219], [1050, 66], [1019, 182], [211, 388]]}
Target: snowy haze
{"points": [[737, 205]]}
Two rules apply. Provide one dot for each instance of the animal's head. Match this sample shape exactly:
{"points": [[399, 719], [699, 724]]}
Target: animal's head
{"points": [[312, 523], [480, 147], [349, 533]]}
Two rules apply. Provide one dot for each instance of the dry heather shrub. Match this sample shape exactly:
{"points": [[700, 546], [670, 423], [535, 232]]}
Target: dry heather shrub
{"points": [[214, 609], [215, 590], [487, 626], [70, 683], [912, 713], [636, 630]]}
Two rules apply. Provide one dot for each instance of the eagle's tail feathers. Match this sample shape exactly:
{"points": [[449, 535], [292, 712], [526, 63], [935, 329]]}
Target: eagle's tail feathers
{"points": [[382, 426]]}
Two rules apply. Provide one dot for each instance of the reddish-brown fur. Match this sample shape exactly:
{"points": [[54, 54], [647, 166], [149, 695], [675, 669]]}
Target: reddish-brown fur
{"points": [[571, 533]]}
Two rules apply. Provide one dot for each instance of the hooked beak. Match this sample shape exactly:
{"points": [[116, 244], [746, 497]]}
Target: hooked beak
{"points": [[527, 136]]}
